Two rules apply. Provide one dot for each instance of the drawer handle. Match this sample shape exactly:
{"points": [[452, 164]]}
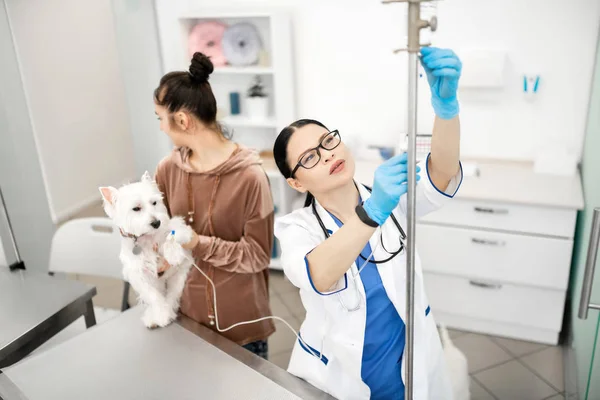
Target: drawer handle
{"points": [[486, 285], [486, 210], [498, 243]]}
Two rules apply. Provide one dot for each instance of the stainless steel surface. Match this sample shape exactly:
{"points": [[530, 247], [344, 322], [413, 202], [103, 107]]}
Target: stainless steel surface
{"points": [[417, 26], [10, 229], [121, 359], [590, 267], [34, 307], [8, 390], [295, 385], [411, 220], [414, 26]]}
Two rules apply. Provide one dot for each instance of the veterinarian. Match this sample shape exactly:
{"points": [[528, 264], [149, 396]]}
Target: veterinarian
{"points": [[223, 192], [354, 333]]}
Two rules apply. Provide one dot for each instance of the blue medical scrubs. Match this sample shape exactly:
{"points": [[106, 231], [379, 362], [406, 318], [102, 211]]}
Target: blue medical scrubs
{"points": [[384, 335]]}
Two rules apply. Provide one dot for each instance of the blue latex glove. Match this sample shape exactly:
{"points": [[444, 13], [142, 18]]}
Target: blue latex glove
{"points": [[389, 184], [443, 69]]}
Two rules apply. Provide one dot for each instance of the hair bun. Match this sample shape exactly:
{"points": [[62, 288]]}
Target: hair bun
{"points": [[201, 67]]}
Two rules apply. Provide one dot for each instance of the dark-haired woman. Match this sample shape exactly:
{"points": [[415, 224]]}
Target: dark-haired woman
{"points": [[345, 252], [221, 189]]}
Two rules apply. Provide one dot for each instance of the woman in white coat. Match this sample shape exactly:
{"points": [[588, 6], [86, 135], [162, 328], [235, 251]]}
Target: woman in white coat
{"points": [[352, 340]]}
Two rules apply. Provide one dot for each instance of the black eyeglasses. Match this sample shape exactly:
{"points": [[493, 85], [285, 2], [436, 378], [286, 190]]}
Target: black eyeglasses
{"points": [[311, 157]]}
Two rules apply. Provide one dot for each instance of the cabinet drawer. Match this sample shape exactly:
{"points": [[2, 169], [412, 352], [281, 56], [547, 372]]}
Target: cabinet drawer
{"points": [[502, 257], [506, 303], [507, 217]]}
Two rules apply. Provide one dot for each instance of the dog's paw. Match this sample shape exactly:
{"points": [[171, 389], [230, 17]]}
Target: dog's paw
{"points": [[164, 316], [183, 233], [158, 316], [173, 252], [148, 319]]}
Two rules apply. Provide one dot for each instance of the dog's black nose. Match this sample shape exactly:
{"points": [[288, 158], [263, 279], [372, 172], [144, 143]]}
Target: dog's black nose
{"points": [[155, 224]]}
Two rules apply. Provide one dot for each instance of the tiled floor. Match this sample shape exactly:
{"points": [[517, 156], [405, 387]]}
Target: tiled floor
{"points": [[501, 369]]}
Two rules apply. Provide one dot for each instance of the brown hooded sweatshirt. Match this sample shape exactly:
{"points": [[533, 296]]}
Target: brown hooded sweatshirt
{"points": [[231, 208]]}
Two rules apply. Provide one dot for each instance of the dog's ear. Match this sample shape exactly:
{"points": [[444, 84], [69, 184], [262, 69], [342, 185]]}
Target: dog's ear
{"points": [[109, 195], [147, 177]]}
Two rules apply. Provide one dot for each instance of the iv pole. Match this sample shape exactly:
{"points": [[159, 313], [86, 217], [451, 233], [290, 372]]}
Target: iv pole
{"points": [[415, 24]]}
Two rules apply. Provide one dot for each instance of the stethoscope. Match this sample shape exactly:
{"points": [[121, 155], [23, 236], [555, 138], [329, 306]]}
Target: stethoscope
{"points": [[366, 260]]}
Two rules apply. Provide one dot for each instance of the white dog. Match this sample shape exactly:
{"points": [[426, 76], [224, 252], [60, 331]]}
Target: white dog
{"points": [[458, 368], [138, 211]]}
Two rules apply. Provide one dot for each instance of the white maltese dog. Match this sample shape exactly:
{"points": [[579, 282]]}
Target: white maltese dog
{"points": [[138, 211]]}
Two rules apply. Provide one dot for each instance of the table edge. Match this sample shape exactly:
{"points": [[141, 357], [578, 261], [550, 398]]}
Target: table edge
{"points": [[267, 369], [30, 335]]}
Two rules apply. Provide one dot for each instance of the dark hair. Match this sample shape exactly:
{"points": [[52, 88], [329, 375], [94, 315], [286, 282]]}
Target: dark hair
{"points": [[280, 149], [191, 91]]}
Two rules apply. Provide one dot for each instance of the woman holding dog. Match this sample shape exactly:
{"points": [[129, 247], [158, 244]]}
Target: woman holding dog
{"points": [[345, 252], [221, 189]]}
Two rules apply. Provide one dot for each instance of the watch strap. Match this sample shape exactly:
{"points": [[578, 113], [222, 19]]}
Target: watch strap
{"points": [[364, 217]]}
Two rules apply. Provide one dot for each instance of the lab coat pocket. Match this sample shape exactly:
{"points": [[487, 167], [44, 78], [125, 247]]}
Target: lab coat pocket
{"points": [[312, 368], [341, 381]]}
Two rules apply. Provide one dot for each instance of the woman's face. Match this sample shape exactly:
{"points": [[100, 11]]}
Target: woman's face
{"points": [[334, 169], [168, 126]]}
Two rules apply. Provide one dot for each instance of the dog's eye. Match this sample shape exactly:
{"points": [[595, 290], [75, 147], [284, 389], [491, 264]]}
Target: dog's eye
{"points": [[136, 209], [154, 203]]}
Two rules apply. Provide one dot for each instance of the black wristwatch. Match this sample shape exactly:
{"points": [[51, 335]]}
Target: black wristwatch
{"points": [[364, 217]]}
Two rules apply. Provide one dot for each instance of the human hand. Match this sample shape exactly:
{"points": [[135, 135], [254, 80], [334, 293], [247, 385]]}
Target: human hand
{"points": [[193, 242], [162, 264], [389, 184], [443, 69]]}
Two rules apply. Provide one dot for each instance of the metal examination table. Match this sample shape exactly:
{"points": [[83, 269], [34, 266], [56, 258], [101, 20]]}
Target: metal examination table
{"points": [[121, 359], [34, 307]]}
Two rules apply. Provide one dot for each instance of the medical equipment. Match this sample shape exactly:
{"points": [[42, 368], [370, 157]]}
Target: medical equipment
{"points": [[216, 323], [353, 279], [392, 254], [353, 275], [297, 334], [415, 24]]}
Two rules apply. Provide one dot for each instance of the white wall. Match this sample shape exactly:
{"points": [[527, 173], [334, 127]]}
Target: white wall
{"points": [[69, 63], [3, 262], [141, 67], [20, 171], [348, 77]]}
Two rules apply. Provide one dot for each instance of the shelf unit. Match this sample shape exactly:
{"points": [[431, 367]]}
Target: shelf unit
{"points": [[175, 19], [241, 121], [244, 70]]}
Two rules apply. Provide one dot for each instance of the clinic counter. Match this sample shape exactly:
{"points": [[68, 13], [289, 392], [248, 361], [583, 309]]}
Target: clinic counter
{"points": [[512, 182], [121, 359]]}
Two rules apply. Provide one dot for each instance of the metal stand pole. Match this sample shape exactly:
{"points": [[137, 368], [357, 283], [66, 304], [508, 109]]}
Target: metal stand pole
{"points": [[415, 24], [410, 248], [18, 264]]}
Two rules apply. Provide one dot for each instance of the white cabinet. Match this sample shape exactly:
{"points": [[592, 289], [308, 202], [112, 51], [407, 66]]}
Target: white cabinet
{"points": [[496, 259]]}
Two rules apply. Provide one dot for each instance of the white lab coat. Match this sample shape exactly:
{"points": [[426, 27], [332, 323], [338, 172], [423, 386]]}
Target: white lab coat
{"points": [[336, 334]]}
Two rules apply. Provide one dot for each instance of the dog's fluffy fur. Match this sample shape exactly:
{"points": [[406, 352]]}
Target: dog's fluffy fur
{"points": [[138, 211], [458, 368]]}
